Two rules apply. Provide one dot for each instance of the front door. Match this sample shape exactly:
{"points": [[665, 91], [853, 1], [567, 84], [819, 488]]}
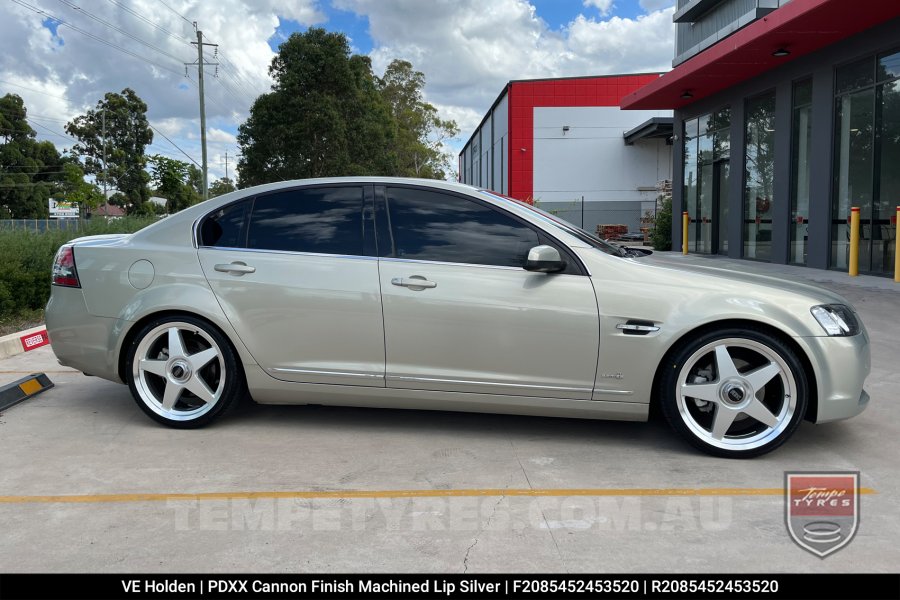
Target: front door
{"points": [[460, 312], [291, 272]]}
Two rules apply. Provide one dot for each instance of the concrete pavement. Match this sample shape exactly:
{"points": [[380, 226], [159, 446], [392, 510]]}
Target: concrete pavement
{"points": [[343, 489]]}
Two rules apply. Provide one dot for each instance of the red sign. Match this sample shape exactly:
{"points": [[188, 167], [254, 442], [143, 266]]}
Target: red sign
{"points": [[35, 340]]}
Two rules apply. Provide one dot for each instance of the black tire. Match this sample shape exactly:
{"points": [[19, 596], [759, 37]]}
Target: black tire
{"points": [[219, 383], [695, 365]]}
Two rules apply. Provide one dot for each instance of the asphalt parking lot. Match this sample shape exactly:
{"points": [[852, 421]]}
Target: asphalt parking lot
{"points": [[91, 484]]}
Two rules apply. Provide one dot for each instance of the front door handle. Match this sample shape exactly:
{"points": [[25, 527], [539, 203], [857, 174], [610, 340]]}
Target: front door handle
{"points": [[414, 282], [235, 268]]}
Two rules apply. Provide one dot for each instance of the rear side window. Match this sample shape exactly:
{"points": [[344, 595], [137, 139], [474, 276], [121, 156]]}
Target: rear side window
{"points": [[227, 227], [435, 226], [319, 220]]}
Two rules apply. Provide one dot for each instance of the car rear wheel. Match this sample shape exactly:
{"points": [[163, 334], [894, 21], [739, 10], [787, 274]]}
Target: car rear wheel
{"points": [[735, 393], [182, 372]]}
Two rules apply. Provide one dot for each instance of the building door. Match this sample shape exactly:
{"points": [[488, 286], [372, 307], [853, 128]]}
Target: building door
{"points": [[720, 206], [866, 152]]}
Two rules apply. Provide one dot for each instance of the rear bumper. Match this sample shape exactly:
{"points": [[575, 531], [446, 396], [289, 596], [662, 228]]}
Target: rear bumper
{"points": [[842, 365], [79, 339]]}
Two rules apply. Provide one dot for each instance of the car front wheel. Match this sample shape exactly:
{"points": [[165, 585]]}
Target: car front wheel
{"points": [[182, 372], [734, 393]]}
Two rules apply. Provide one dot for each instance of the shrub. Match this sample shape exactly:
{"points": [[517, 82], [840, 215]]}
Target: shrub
{"points": [[662, 231], [26, 261]]}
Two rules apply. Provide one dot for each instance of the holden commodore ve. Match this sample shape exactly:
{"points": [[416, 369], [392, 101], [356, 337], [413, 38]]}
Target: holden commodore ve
{"points": [[403, 293]]}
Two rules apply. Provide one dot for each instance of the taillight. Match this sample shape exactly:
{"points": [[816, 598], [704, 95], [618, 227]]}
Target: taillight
{"points": [[64, 271]]}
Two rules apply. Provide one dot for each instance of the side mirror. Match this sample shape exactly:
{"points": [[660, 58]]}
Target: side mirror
{"points": [[544, 259]]}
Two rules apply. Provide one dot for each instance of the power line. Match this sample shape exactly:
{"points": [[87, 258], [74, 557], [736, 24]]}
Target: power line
{"points": [[120, 30], [174, 144], [149, 22], [188, 21], [92, 36], [33, 90]]}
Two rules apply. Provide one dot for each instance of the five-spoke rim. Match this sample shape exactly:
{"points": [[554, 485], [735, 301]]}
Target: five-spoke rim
{"points": [[179, 371], [736, 394]]}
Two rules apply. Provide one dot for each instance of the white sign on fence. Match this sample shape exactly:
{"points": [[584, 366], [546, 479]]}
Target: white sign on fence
{"points": [[63, 209]]}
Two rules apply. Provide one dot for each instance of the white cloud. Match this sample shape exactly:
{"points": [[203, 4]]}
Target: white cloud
{"points": [[468, 49], [654, 5], [604, 6]]}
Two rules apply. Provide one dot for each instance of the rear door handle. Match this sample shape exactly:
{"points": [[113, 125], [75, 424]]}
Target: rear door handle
{"points": [[235, 268], [413, 282]]}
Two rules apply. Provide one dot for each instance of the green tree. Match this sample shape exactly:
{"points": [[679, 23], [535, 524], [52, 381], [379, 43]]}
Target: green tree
{"points": [[29, 169], [661, 237], [221, 186], [74, 188], [172, 181], [127, 136], [323, 117], [421, 133]]}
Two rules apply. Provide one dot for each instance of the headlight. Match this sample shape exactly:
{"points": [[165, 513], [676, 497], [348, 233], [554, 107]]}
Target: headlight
{"points": [[836, 319]]}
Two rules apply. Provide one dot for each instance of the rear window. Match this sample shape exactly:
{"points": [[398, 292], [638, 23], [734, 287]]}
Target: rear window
{"points": [[226, 228]]}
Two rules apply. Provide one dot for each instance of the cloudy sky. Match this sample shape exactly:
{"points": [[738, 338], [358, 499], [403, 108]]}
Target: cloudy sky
{"points": [[61, 56]]}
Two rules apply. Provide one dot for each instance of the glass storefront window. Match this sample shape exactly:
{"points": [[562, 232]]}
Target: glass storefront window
{"points": [[759, 177], [884, 234], [801, 147], [889, 66], [855, 75], [690, 180], [706, 150], [866, 155]]}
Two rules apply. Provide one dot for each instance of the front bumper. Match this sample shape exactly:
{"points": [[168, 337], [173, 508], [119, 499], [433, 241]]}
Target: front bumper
{"points": [[841, 365]]}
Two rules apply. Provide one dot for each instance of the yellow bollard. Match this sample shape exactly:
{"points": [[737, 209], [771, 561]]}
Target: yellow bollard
{"points": [[854, 242], [684, 231], [897, 246]]}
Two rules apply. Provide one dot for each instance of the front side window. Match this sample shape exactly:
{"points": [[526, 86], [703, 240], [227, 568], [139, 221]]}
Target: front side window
{"points": [[434, 226], [317, 220]]}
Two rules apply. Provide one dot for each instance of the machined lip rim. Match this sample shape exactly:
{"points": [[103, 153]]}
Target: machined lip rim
{"points": [[140, 372], [770, 433]]}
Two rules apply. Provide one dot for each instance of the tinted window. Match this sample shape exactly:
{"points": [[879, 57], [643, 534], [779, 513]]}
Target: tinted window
{"points": [[322, 220], [226, 227], [441, 227]]}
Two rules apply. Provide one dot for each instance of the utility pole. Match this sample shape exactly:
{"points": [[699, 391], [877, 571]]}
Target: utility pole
{"points": [[103, 135], [226, 164], [200, 64]]}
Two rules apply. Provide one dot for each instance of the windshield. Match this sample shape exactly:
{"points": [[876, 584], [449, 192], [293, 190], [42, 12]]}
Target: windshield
{"points": [[565, 226]]}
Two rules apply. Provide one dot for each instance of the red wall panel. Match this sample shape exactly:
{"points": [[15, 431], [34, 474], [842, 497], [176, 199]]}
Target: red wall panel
{"points": [[525, 96]]}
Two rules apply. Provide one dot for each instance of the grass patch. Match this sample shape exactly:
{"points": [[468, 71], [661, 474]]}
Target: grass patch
{"points": [[26, 261]]}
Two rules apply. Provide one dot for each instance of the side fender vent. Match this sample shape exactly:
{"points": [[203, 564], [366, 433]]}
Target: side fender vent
{"points": [[637, 327]]}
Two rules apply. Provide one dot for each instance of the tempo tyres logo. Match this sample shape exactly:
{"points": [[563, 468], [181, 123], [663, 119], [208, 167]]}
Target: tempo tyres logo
{"points": [[821, 510]]}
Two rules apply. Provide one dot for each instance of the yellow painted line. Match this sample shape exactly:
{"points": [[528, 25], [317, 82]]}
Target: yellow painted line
{"points": [[349, 494]]}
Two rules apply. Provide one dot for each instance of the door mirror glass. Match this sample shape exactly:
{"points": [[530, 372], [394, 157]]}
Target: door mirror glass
{"points": [[544, 259]]}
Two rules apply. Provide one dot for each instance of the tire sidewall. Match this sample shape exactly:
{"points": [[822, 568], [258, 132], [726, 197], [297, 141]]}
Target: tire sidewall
{"points": [[676, 360], [234, 375]]}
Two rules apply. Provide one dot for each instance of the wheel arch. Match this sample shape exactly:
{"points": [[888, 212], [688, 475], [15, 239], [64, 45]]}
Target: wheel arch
{"points": [[138, 325], [806, 363]]}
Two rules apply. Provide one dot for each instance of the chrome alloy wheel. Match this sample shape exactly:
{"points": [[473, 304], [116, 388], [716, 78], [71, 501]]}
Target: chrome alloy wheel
{"points": [[736, 394], [179, 371]]}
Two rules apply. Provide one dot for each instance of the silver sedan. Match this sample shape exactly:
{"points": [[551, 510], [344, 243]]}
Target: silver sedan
{"points": [[432, 295]]}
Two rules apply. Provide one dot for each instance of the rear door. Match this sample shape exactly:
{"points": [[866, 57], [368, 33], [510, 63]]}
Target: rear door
{"points": [[293, 274], [460, 312]]}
